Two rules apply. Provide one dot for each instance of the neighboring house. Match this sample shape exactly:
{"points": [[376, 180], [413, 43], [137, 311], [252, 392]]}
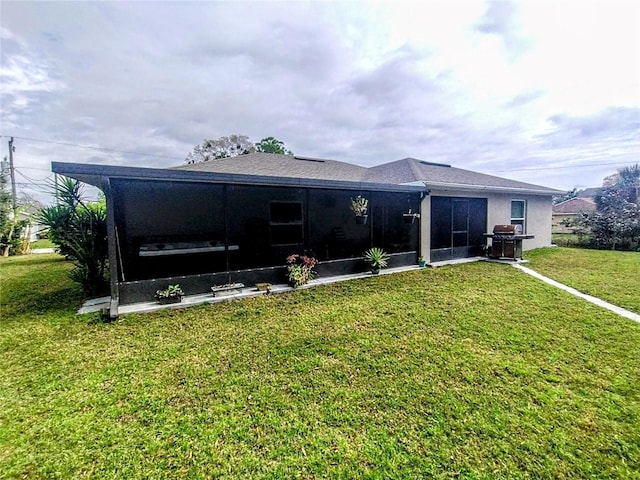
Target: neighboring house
{"points": [[568, 211], [237, 219]]}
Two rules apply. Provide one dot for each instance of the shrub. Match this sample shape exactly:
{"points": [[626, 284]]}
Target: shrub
{"points": [[79, 230]]}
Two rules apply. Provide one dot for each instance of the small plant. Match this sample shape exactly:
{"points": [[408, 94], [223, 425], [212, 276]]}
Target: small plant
{"points": [[300, 269], [359, 206], [377, 259], [171, 294], [421, 261]]}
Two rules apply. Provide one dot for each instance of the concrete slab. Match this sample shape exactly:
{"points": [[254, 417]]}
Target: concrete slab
{"points": [[504, 261], [39, 251], [248, 292], [94, 305], [456, 261]]}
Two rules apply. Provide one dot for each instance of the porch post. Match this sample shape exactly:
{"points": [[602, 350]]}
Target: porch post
{"points": [[112, 247], [425, 228]]}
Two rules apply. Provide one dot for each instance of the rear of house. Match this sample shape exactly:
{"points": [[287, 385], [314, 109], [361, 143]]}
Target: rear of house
{"points": [[237, 219]]}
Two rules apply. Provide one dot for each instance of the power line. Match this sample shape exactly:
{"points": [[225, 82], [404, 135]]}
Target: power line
{"points": [[42, 187], [32, 179], [36, 168], [102, 149], [68, 144]]}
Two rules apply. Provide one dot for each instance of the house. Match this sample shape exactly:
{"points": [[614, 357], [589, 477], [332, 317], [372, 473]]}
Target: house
{"points": [[565, 212], [237, 219]]}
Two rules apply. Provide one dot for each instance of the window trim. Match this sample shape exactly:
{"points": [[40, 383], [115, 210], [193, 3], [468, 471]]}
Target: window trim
{"points": [[275, 226], [522, 219]]}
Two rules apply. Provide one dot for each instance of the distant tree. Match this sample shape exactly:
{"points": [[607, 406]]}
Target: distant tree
{"points": [[222, 147], [272, 145], [6, 208], [567, 196], [615, 224], [11, 226]]}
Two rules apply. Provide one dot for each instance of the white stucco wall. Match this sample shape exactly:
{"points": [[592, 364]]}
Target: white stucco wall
{"points": [[538, 216]]}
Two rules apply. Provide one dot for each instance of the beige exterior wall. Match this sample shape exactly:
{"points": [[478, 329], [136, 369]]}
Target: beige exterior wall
{"points": [[538, 216]]}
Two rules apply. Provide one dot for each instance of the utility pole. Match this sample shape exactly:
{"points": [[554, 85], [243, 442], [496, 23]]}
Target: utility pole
{"points": [[14, 198], [13, 178]]}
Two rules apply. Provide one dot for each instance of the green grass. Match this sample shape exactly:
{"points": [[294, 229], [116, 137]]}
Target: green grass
{"points": [[570, 240], [611, 276], [474, 371], [43, 243]]}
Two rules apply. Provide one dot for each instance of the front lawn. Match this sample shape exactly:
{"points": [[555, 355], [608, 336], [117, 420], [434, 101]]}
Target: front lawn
{"points": [[472, 371], [611, 276], [43, 243]]}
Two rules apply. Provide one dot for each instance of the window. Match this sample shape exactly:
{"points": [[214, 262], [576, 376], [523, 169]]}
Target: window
{"points": [[518, 213], [286, 223]]}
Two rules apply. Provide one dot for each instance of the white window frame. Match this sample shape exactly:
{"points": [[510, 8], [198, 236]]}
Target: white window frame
{"points": [[522, 219]]}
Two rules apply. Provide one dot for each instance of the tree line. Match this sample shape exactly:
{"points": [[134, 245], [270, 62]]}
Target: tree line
{"points": [[232, 146]]}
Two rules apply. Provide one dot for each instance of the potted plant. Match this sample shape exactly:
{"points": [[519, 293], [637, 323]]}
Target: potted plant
{"points": [[410, 216], [300, 269], [377, 259], [421, 261], [171, 294], [359, 206]]}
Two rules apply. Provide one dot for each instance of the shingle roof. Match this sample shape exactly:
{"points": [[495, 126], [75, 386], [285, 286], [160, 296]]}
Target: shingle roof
{"points": [[273, 165], [405, 171], [437, 174], [589, 192], [575, 205]]}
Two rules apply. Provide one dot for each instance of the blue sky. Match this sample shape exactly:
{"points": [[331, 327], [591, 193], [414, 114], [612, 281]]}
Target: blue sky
{"points": [[543, 92]]}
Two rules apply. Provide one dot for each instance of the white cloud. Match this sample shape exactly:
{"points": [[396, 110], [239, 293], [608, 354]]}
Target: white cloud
{"points": [[476, 84]]}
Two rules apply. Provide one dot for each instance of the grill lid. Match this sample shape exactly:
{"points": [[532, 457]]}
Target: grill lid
{"points": [[507, 230]]}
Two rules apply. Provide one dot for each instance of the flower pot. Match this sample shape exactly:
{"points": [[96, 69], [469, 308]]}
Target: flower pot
{"points": [[423, 263], [226, 290], [375, 271], [169, 300], [361, 219], [264, 287]]}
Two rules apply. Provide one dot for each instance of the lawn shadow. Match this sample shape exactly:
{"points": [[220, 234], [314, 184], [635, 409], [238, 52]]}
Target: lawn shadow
{"points": [[38, 284]]}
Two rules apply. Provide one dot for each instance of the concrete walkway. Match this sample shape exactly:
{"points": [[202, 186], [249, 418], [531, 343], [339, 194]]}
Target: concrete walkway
{"points": [[596, 301], [38, 251]]}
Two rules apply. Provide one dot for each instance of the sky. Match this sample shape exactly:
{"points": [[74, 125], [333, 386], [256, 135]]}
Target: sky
{"points": [[546, 92]]}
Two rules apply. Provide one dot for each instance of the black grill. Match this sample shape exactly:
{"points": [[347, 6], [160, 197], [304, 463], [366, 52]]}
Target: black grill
{"points": [[506, 241]]}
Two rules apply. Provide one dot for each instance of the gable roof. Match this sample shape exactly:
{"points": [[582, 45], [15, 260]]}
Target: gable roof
{"points": [[411, 170], [575, 205], [408, 174], [408, 171], [275, 165]]}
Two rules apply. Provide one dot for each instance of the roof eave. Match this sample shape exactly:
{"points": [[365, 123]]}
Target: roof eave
{"points": [[491, 188], [96, 175]]}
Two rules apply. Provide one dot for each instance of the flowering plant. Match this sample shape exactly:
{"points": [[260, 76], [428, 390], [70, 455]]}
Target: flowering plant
{"points": [[300, 269]]}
